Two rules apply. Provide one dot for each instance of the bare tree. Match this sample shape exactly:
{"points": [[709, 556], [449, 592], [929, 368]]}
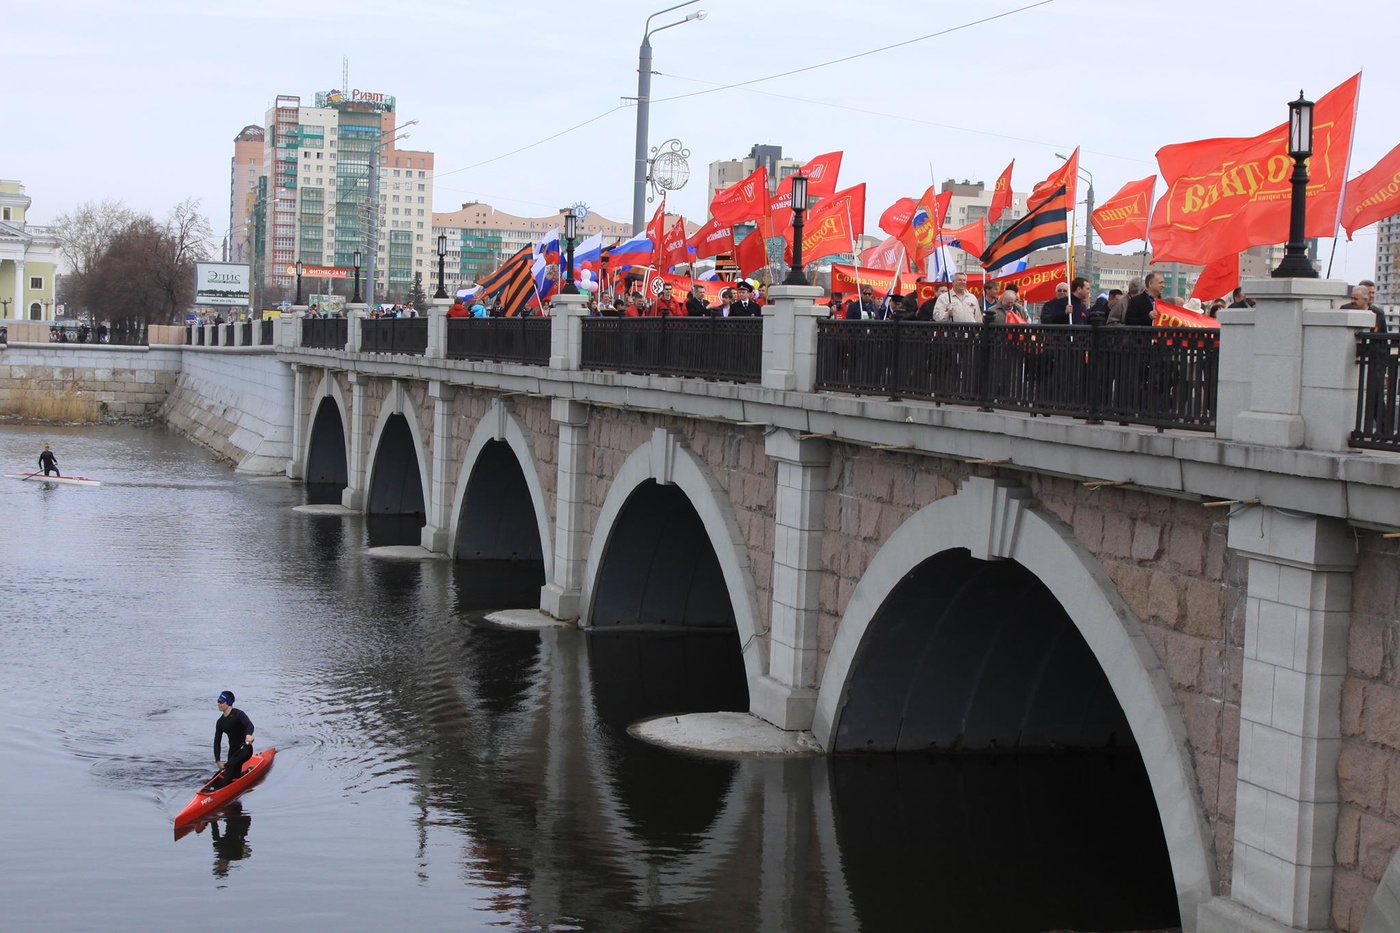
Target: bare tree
{"points": [[85, 236]]}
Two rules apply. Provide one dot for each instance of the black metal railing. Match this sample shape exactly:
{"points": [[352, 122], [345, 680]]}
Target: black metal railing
{"points": [[265, 333], [1144, 375], [729, 349], [246, 336], [506, 339], [1377, 411], [394, 335], [127, 334], [214, 336], [196, 335], [329, 333]]}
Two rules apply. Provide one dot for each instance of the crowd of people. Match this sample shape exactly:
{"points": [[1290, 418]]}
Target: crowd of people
{"points": [[80, 334]]}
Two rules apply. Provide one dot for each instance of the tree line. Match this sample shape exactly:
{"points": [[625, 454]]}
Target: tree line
{"points": [[126, 266]]}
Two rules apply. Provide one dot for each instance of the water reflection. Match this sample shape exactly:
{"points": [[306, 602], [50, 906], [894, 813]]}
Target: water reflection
{"points": [[230, 841]]}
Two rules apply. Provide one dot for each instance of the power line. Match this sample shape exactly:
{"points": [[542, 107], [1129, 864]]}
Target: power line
{"points": [[532, 145]]}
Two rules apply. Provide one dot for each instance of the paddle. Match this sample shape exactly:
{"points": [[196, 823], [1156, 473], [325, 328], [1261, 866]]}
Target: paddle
{"points": [[31, 475]]}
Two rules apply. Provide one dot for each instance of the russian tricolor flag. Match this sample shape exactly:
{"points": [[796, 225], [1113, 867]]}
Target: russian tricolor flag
{"points": [[633, 252]]}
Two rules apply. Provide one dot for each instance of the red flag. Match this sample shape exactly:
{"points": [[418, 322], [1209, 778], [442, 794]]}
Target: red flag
{"points": [[896, 217], [1124, 216], [1218, 279], [972, 238], [656, 231], [834, 224], [1170, 315], [921, 234], [1226, 195], [712, 239], [747, 200], [1067, 175], [888, 255], [675, 251], [1001, 195], [1373, 195], [751, 254]]}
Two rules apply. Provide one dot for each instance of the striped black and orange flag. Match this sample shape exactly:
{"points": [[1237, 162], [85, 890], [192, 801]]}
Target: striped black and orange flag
{"points": [[510, 286], [1047, 224]]}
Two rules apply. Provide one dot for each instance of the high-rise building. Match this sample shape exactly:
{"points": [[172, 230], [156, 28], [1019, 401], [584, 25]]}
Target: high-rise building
{"points": [[332, 183], [1388, 261], [243, 193], [479, 238], [727, 172]]}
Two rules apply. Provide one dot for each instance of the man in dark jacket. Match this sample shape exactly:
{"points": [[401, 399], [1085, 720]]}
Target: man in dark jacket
{"points": [[1142, 309], [745, 306], [695, 305], [235, 724]]}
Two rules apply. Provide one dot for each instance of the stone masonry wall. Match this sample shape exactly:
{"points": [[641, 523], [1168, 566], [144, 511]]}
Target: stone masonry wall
{"points": [[128, 381], [1368, 772]]}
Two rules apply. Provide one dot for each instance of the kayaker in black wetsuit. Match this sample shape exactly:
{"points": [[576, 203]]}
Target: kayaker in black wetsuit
{"points": [[47, 462], [235, 724]]}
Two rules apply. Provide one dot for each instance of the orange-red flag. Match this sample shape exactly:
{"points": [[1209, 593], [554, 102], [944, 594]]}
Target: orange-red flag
{"points": [[821, 172], [1219, 278], [656, 230], [889, 254], [712, 239], [1226, 195], [896, 217], [972, 238], [848, 279], [1170, 315], [1373, 195], [675, 251], [1124, 216], [747, 200], [751, 254], [1001, 195], [920, 235], [1067, 175], [834, 224]]}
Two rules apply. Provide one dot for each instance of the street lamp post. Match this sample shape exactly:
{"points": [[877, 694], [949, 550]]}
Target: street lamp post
{"points": [[570, 234], [356, 299], [442, 257], [795, 274], [299, 271], [1295, 264], [639, 169]]}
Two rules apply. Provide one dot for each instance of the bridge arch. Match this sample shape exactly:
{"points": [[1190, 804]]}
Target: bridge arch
{"points": [[396, 481], [991, 519], [326, 453], [666, 462], [502, 427]]}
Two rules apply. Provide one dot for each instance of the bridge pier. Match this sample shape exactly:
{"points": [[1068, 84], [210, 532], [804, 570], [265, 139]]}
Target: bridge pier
{"points": [[563, 597], [787, 695], [301, 421], [353, 496], [1295, 658], [437, 532]]}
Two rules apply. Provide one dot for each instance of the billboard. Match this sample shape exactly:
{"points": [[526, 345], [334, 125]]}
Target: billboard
{"points": [[226, 284]]}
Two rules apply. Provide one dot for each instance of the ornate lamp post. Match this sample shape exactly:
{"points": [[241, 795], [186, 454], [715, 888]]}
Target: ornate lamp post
{"points": [[299, 271], [1295, 263], [639, 170], [795, 274], [442, 254], [570, 234], [356, 299]]}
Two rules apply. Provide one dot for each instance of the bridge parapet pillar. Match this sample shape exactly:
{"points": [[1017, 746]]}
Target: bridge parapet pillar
{"points": [[790, 337], [1297, 613], [437, 330], [787, 695], [301, 427], [1288, 370], [439, 525], [563, 596], [354, 327], [287, 329], [566, 331], [353, 495]]}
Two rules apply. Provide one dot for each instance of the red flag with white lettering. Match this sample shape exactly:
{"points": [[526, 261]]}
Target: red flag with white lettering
{"points": [[747, 200], [1373, 195], [712, 239]]}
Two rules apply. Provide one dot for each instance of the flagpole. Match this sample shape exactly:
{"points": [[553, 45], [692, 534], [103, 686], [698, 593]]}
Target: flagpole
{"points": [[938, 227], [855, 254], [1332, 257]]}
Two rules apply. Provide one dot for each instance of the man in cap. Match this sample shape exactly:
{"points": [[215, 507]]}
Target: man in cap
{"points": [[48, 462], [235, 724], [745, 306]]}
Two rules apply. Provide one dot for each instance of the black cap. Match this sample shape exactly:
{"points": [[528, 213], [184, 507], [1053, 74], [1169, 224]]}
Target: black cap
{"points": [[746, 286]]}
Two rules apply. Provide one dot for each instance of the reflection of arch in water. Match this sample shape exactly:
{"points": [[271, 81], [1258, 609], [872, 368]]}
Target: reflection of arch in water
{"points": [[499, 510], [991, 520], [680, 485]]}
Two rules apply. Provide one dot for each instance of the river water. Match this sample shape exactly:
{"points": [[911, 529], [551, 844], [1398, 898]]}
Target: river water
{"points": [[435, 773]]}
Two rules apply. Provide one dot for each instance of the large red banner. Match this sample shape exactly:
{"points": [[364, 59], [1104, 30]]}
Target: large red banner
{"points": [[1373, 195], [1226, 195], [848, 279], [1036, 283]]}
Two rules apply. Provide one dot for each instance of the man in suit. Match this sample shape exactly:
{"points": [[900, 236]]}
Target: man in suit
{"points": [[1142, 309], [745, 306]]}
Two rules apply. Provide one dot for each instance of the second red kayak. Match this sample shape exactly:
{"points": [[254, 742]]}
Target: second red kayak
{"points": [[209, 799]]}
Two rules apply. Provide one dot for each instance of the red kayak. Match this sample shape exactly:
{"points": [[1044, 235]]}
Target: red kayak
{"points": [[207, 800]]}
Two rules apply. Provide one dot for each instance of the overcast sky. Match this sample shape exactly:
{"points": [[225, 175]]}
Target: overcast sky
{"points": [[140, 99]]}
